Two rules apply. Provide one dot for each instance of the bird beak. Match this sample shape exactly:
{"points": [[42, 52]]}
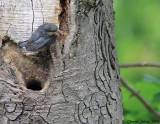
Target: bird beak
{"points": [[60, 32], [57, 33]]}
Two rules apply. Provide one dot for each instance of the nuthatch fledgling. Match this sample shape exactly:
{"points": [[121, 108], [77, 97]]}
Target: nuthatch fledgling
{"points": [[41, 38]]}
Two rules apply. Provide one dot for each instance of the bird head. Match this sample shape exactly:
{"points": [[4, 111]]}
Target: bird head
{"points": [[52, 29], [49, 27]]}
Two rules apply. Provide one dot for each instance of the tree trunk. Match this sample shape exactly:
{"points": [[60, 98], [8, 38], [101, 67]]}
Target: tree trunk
{"points": [[77, 82]]}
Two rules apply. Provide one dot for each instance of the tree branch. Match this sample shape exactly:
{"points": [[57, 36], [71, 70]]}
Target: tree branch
{"points": [[143, 64], [140, 98]]}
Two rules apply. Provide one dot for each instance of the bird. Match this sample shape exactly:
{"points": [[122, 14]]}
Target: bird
{"points": [[41, 38]]}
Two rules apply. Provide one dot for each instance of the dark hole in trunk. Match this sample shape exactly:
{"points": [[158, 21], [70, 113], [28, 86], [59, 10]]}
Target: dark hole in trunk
{"points": [[34, 85]]}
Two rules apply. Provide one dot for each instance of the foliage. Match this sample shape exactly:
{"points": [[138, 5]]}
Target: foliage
{"points": [[137, 25]]}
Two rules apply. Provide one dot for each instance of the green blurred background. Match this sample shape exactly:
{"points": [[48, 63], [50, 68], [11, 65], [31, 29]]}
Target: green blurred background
{"points": [[137, 28]]}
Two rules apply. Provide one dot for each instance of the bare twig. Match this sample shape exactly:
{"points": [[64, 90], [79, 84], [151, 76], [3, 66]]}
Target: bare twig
{"points": [[142, 64], [140, 98]]}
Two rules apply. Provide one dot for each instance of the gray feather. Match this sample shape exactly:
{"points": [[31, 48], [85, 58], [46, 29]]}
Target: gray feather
{"points": [[40, 38], [41, 42], [22, 44]]}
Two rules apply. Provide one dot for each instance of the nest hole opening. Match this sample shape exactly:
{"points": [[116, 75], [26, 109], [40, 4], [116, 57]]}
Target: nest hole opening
{"points": [[34, 85]]}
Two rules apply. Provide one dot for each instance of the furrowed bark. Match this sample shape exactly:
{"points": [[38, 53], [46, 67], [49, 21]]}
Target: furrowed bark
{"points": [[78, 83]]}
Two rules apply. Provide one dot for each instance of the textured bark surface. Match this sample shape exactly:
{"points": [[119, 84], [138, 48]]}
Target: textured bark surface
{"points": [[19, 19], [82, 82]]}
